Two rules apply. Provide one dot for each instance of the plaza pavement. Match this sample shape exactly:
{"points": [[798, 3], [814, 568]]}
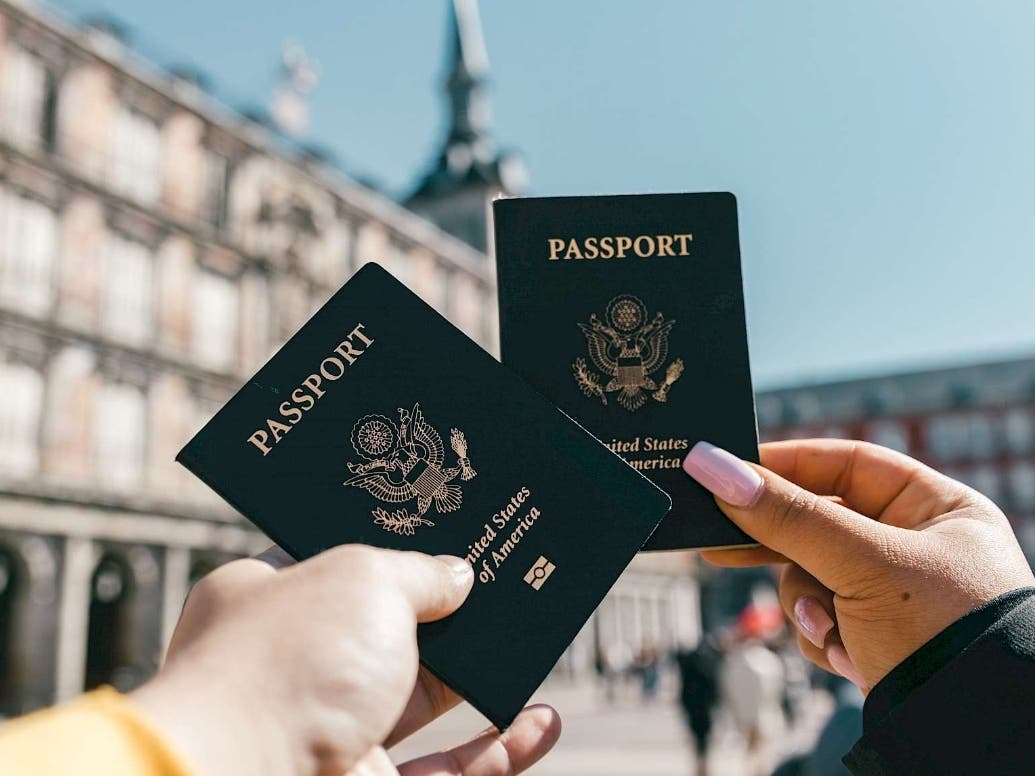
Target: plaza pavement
{"points": [[625, 737]]}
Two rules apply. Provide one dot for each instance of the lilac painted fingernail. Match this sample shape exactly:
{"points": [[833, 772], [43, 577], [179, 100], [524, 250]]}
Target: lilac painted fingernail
{"points": [[724, 474], [812, 619], [843, 664]]}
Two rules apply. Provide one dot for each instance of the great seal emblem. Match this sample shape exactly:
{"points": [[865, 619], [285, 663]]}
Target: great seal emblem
{"points": [[404, 462], [628, 349]]}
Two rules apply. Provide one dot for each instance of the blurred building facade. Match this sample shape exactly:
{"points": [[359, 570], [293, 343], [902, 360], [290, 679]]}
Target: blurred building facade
{"points": [[155, 249]]}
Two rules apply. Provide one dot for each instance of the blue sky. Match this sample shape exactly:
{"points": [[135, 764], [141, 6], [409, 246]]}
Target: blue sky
{"points": [[882, 152]]}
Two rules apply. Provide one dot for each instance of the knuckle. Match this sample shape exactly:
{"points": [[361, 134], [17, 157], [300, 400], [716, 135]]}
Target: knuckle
{"points": [[789, 509], [870, 448], [360, 559]]}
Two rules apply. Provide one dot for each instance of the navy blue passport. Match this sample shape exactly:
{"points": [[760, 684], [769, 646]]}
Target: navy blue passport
{"points": [[628, 312], [381, 423]]}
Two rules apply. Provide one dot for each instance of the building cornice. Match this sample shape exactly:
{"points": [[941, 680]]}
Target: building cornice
{"points": [[362, 201], [43, 513], [56, 331]]}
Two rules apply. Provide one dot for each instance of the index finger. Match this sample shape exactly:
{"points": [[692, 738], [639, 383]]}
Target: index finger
{"points": [[430, 699], [492, 753], [872, 480]]}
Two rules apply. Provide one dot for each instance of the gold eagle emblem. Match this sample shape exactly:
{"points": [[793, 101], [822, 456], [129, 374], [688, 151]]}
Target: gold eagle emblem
{"points": [[405, 462], [628, 349]]}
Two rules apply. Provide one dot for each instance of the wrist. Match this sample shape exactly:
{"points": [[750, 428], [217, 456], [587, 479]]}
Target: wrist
{"points": [[215, 726]]}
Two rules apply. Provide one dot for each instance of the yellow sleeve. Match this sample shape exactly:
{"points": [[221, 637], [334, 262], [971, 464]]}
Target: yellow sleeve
{"points": [[99, 734]]}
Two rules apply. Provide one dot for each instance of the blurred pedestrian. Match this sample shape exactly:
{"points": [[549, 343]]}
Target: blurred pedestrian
{"points": [[618, 659], [699, 694], [647, 666], [751, 684], [797, 678]]}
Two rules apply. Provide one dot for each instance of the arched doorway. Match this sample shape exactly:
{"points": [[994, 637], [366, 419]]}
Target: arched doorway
{"points": [[11, 583], [109, 640], [201, 567]]}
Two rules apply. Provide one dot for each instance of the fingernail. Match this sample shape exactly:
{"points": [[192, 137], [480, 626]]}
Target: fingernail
{"points": [[723, 474], [813, 620], [461, 568], [843, 664]]}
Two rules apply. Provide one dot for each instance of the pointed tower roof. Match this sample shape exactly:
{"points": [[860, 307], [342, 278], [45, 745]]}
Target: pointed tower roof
{"points": [[469, 155], [470, 59]]}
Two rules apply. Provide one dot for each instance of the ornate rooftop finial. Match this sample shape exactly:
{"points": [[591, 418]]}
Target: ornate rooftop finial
{"points": [[298, 77]]}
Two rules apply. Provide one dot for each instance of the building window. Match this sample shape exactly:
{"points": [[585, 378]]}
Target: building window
{"points": [[215, 321], [291, 306], [770, 412], [1026, 536], [1022, 486], [805, 407], [48, 119], [24, 98], [397, 261], [136, 155], [128, 290], [889, 433], [468, 307], [120, 435], [22, 389], [952, 437], [215, 191], [109, 640], [1019, 430], [28, 243], [345, 261], [982, 434], [835, 432], [254, 292], [428, 279], [986, 480]]}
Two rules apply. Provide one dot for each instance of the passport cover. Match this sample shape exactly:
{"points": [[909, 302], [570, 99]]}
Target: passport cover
{"points": [[628, 313], [381, 423]]}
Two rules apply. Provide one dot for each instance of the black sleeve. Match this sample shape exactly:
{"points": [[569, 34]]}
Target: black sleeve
{"points": [[963, 703]]}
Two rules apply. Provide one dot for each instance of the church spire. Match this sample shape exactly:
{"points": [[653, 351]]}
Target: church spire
{"points": [[467, 81], [469, 170]]}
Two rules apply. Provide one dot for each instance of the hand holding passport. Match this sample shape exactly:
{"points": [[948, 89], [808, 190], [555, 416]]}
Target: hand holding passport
{"points": [[379, 423], [311, 665]]}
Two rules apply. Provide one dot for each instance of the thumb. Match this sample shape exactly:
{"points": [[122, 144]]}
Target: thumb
{"points": [[828, 540], [435, 586]]}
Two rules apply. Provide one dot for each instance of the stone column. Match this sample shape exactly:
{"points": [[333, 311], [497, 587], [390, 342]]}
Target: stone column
{"points": [[174, 589], [74, 613]]}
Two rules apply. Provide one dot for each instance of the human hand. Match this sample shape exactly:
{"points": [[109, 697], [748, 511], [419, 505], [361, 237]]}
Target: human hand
{"points": [[882, 552], [309, 668]]}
